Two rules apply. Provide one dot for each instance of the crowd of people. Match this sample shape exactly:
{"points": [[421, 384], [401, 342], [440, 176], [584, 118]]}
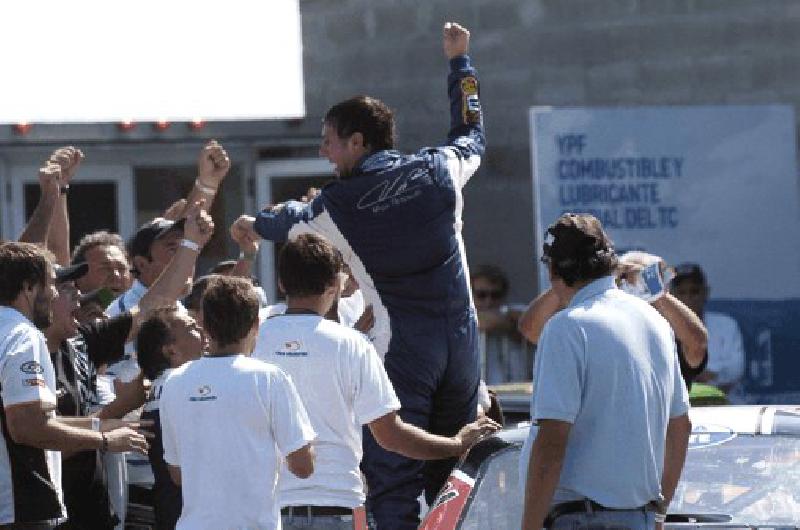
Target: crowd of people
{"points": [[342, 406], [335, 409]]}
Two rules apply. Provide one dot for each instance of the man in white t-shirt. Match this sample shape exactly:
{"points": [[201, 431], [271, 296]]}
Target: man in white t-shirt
{"points": [[32, 436], [226, 419], [344, 386]]}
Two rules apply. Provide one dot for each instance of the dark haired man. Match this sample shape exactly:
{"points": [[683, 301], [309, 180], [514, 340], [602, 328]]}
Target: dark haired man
{"points": [[166, 340], [343, 386], [507, 356], [77, 350], [152, 246], [605, 365], [225, 418], [396, 219], [30, 477], [726, 357], [690, 333], [104, 252]]}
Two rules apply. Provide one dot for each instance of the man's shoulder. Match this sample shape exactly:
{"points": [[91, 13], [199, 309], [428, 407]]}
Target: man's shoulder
{"points": [[337, 331], [16, 330], [248, 364]]}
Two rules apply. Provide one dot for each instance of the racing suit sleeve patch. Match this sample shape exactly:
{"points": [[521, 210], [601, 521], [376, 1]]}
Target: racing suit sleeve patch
{"points": [[471, 105]]}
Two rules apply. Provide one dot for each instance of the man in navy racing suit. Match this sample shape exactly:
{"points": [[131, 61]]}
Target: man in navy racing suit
{"points": [[396, 218]]}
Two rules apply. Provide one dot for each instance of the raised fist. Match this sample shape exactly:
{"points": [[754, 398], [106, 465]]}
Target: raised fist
{"points": [[212, 165], [456, 40], [68, 158], [242, 230]]}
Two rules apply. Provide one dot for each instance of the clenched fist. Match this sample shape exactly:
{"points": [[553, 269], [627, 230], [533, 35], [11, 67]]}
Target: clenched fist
{"points": [[69, 158], [212, 165], [456, 40]]}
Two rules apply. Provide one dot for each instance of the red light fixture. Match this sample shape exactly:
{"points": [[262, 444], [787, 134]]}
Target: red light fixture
{"points": [[161, 125], [197, 124], [127, 125], [22, 128]]}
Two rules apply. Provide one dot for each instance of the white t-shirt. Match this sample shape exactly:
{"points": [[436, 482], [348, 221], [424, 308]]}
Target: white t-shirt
{"points": [[343, 385], [226, 422], [725, 349], [26, 375]]}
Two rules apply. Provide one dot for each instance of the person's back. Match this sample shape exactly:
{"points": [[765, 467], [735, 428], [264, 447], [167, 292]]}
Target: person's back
{"points": [[343, 386], [390, 201], [218, 415], [608, 397], [628, 383]]}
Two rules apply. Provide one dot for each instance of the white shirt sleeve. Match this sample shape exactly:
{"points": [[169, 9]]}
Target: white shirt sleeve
{"points": [[291, 428], [680, 395], [25, 368], [559, 373], [373, 393], [167, 421]]}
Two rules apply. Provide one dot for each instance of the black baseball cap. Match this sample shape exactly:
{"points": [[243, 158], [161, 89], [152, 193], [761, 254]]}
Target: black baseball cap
{"points": [[689, 271], [71, 273], [142, 240]]}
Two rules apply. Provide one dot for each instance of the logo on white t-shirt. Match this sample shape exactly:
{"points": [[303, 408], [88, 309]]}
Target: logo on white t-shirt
{"points": [[204, 393], [31, 367], [292, 348]]}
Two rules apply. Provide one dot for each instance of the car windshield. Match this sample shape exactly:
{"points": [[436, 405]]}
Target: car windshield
{"points": [[727, 479], [497, 500], [751, 478]]}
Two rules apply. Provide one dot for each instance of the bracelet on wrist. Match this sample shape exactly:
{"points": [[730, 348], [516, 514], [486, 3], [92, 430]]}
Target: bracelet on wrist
{"points": [[63, 190], [188, 243], [247, 256], [209, 190], [104, 447]]}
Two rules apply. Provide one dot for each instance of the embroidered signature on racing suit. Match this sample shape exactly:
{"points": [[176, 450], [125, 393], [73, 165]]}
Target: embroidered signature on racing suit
{"points": [[394, 191]]}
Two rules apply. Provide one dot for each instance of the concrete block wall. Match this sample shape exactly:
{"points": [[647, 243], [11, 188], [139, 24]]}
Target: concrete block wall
{"points": [[543, 52]]}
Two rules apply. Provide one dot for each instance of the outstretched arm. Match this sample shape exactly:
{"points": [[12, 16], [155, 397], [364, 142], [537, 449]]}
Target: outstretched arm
{"points": [[537, 314], [169, 286], [274, 223], [393, 434], [465, 141], [68, 158], [39, 224]]}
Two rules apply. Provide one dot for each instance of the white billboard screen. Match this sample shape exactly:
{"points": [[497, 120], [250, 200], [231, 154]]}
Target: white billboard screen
{"points": [[100, 61]]}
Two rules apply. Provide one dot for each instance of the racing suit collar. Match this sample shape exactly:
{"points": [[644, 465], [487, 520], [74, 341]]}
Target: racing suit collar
{"points": [[374, 162]]}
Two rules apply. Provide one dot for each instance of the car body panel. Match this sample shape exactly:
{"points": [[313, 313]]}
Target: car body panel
{"points": [[466, 507]]}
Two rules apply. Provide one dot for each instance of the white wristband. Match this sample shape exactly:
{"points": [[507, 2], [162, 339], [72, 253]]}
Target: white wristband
{"points": [[188, 243], [205, 189], [95, 424]]}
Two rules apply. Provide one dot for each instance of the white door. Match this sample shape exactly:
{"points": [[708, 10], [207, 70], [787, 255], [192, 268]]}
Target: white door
{"points": [[278, 181]]}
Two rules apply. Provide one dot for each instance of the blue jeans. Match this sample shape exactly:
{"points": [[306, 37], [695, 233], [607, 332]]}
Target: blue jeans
{"points": [[606, 520]]}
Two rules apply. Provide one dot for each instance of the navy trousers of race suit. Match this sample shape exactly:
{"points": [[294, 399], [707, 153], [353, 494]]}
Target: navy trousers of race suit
{"points": [[440, 399]]}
